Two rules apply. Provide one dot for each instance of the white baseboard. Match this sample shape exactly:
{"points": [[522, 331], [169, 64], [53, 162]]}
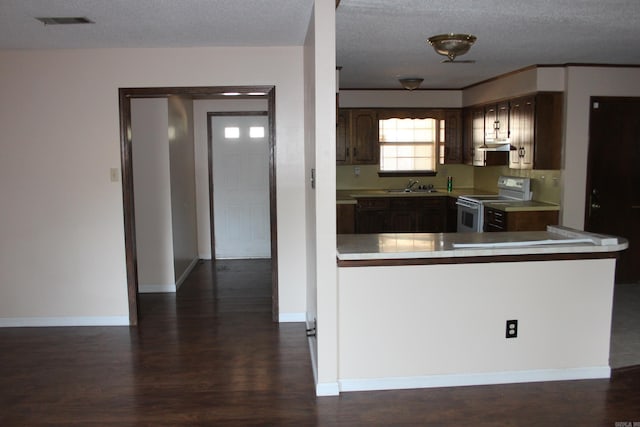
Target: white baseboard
{"points": [[292, 317], [149, 288], [455, 380], [156, 289], [322, 389], [186, 273], [327, 389], [37, 322]]}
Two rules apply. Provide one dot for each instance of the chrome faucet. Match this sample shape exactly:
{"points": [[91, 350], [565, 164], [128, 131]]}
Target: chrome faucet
{"points": [[411, 184]]}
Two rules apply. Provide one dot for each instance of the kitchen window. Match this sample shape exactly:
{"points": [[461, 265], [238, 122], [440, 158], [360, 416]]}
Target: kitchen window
{"points": [[410, 144]]}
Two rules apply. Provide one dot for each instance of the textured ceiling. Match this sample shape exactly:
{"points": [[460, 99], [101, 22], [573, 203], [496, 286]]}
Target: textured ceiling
{"points": [[378, 41], [155, 23]]}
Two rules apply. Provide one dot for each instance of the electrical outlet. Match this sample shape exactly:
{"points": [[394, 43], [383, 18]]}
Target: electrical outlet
{"points": [[512, 329]]}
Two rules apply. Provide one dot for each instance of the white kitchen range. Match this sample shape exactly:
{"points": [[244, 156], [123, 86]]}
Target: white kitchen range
{"points": [[471, 207]]}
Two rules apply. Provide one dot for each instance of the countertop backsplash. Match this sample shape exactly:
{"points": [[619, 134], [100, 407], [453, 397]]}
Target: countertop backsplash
{"points": [[545, 184], [346, 179]]}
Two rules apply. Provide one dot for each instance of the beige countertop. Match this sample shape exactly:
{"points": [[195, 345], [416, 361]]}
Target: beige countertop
{"points": [[351, 196], [515, 206], [555, 240]]}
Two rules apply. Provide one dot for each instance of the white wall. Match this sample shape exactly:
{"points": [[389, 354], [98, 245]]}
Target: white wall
{"points": [[183, 187], [61, 235], [426, 326], [152, 194], [201, 107], [320, 67], [582, 83], [310, 196]]}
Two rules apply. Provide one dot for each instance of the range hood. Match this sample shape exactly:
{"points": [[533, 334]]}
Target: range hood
{"points": [[497, 145]]}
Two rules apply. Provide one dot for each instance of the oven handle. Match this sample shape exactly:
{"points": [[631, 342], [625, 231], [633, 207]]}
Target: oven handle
{"points": [[467, 204]]}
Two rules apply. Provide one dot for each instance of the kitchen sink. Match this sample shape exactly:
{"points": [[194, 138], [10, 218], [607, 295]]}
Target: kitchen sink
{"points": [[417, 190]]}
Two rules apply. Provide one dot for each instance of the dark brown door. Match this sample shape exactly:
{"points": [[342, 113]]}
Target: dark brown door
{"points": [[613, 177]]}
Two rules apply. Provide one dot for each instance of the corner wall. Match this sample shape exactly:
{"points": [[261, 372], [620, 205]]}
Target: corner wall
{"points": [[152, 194], [62, 253], [183, 187]]}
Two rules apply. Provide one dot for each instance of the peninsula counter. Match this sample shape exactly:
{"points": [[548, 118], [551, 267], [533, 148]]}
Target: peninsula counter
{"points": [[431, 310]]}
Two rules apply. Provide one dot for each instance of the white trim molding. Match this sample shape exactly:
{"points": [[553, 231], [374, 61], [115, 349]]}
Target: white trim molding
{"points": [[292, 317], [38, 322], [327, 389], [485, 378], [169, 287], [156, 289], [186, 273]]}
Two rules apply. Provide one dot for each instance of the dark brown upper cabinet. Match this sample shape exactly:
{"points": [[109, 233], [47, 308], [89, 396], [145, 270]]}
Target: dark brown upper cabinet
{"points": [[536, 131], [357, 137]]}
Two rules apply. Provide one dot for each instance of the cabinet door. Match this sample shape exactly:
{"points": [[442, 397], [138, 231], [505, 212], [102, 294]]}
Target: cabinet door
{"points": [[364, 137], [490, 122], [432, 214], [371, 215], [452, 215], [515, 130], [502, 119], [346, 219], [478, 123], [547, 130], [342, 137], [467, 137], [527, 129], [453, 137], [371, 222]]}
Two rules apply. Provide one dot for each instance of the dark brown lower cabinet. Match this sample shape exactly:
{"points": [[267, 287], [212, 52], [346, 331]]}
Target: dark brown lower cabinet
{"points": [[401, 215], [452, 215], [499, 220], [346, 219]]}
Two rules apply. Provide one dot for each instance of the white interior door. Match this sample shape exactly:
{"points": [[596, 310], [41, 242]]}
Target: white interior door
{"points": [[240, 151]]}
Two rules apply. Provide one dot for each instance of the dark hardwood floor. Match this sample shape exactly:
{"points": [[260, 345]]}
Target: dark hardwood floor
{"points": [[210, 355]]}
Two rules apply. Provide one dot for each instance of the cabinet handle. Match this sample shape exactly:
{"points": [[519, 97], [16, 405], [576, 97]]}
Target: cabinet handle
{"points": [[355, 151]]}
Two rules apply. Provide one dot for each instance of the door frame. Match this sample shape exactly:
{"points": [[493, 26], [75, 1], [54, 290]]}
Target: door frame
{"points": [[589, 184], [194, 93]]}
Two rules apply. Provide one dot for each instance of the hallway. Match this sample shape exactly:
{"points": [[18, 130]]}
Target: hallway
{"points": [[210, 355]]}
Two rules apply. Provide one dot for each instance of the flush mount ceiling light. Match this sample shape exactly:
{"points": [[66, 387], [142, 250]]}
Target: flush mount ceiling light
{"points": [[410, 83], [452, 45]]}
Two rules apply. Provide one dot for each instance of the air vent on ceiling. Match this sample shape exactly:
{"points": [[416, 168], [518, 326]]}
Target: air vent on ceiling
{"points": [[70, 20]]}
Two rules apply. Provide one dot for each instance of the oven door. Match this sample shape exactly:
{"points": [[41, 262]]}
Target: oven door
{"points": [[470, 218]]}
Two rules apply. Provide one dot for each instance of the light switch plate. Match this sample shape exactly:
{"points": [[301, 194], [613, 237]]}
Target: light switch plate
{"points": [[115, 174]]}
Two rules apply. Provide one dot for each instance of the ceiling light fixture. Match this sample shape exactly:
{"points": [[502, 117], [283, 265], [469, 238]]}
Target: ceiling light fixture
{"points": [[452, 45], [411, 83]]}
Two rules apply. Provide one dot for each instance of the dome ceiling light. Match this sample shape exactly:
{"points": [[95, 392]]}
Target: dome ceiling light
{"points": [[410, 83], [452, 45]]}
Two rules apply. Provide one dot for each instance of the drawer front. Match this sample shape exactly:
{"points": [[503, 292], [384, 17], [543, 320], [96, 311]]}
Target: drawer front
{"points": [[402, 203], [495, 220], [373, 204], [433, 202]]}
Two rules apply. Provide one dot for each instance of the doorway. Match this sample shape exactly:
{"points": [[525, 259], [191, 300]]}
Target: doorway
{"points": [[217, 92], [613, 177]]}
